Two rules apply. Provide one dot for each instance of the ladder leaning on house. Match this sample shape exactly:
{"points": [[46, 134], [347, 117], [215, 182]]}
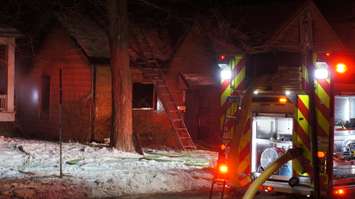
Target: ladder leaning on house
{"points": [[170, 106]]}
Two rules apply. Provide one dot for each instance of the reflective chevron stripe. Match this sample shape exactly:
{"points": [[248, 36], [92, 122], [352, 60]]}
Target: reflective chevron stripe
{"points": [[323, 122], [302, 137], [228, 88], [244, 163]]}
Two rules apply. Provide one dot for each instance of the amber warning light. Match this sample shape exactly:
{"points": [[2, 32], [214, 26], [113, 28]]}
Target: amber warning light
{"points": [[321, 154], [282, 100]]}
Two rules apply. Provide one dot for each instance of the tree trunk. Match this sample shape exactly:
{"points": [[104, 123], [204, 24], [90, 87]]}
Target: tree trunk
{"points": [[121, 135]]}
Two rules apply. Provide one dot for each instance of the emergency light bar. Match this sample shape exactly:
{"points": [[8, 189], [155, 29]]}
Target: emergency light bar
{"points": [[321, 71], [226, 73], [222, 61]]}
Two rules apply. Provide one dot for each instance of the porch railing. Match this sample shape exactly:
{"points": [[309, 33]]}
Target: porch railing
{"points": [[3, 99]]}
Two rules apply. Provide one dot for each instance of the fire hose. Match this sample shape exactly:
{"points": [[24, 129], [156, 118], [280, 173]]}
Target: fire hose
{"points": [[289, 155]]}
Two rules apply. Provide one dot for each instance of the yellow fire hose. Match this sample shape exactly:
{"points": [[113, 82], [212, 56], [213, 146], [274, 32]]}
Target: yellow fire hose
{"points": [[289, 155]]}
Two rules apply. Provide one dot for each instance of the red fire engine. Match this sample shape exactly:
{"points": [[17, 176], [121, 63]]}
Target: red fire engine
{"points": [[291, 125]]}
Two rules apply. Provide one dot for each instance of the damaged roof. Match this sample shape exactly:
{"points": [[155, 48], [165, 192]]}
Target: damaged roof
{"points": [[7, 31], [147, 44]]}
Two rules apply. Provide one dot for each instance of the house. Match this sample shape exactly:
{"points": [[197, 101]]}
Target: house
{"points": [[184, 64], [7, 73], [77, 46]]}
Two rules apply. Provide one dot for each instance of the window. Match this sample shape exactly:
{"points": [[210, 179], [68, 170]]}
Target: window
{"points": [[3, 69], [45, 94], [143, 96], [344, 138], [271, 138]]}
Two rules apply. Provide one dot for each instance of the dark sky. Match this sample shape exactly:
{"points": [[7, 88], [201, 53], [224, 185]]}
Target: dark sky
{"points": [[28, 13], [32, 17]]}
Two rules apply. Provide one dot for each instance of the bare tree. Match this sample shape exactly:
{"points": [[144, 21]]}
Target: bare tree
{"points": [[121, 135]]}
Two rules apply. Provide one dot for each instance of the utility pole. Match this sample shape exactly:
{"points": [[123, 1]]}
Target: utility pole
{"points": [[60, 122]]}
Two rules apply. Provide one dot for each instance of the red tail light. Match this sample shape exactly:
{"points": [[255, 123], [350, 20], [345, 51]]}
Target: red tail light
{"points": [[223, 169], [221, 57], [341, 68], [339, 192], [268, 188]]}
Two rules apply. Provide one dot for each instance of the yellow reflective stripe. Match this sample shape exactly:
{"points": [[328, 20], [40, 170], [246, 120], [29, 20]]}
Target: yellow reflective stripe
{"points": [[244, 164], [322, 121], [239, 77], [303, 123], [237, 59], [305, 73], [323, 95], [306, 148], [232, 64], [297, 166], [305, 100], [227, 92], [245, 140], [236, 82]]}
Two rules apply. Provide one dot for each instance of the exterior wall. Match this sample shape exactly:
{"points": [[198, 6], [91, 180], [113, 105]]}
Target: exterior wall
{"points": [[201, 113], [57, 51], [103, 103], [195, 55], [152, 127]]}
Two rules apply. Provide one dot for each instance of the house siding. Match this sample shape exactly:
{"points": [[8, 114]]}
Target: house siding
{"points": [[57, 51], [152, 127], [196, 55]]}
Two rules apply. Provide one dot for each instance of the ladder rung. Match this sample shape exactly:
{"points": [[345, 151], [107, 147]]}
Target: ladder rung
{"points": [[181, 128], [227, 138], [190, 147]]}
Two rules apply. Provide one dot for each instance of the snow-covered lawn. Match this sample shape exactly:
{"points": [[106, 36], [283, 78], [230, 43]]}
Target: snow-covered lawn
{"points": [[106, 172]]}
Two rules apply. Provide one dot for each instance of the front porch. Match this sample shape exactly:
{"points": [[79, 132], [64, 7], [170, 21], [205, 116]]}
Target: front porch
{"points": [[7, 78], [6, 115]]}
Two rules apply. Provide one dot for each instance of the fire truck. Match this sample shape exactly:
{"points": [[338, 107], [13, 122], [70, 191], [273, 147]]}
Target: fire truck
{"points": [[288, 121]]}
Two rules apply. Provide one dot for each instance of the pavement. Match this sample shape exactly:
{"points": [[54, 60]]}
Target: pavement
{"points": [[202, 196]]}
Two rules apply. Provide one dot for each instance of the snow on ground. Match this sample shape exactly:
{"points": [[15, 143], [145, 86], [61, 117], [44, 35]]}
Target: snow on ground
{"points": [[107, 172]]}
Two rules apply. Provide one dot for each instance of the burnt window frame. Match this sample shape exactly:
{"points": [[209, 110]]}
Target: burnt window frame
{"points": [[154, 96]]}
